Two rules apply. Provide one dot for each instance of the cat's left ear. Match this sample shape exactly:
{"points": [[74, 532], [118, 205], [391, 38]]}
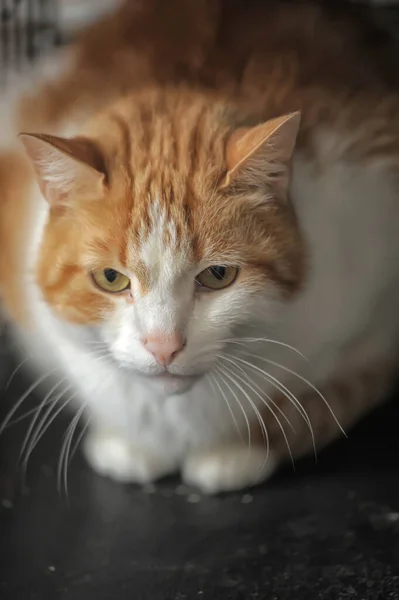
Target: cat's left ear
{"points": [[261, 155], [66, 169]]}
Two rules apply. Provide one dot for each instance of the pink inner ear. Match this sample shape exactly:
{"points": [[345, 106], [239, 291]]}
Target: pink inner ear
{"points": [[66, 168], [273, 140], [234, 147]]}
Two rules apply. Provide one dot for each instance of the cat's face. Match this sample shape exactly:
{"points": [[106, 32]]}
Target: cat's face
{"points": [[168, 246]]}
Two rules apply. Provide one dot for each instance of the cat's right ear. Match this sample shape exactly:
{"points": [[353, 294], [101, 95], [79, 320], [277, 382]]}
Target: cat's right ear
{"points": [[66, 169]]}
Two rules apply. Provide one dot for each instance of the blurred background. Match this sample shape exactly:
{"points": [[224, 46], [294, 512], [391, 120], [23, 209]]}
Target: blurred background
{"points": [[30, 28]]}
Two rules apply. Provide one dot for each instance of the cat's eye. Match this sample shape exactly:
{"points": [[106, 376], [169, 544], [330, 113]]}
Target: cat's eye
{"points": [[110, 281], [217, 277]]}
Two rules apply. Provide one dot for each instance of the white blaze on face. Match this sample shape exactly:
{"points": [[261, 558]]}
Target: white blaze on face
{"points": [[165, 307]]}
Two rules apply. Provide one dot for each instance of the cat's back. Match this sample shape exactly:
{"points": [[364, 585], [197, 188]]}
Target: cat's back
{"points": [[328, 60], [276, 55], [216, 40]]}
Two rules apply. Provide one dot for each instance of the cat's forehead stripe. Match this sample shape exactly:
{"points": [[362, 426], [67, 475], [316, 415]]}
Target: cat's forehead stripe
{"points": [[159, 244], [159, 224]]}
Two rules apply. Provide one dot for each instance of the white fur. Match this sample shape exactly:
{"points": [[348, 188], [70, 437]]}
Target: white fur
{"points": [[143, 427], [227, 468]]}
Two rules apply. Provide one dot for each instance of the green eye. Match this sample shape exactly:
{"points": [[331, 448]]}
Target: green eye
{"points": [[110, 281], [217, 277]]}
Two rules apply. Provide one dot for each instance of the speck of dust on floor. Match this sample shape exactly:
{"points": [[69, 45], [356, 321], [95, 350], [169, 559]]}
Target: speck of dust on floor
{"points": [[149, 488], [193, 498], [247, 499]]}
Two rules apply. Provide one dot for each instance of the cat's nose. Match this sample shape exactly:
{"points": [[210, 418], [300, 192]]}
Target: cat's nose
{"points": [[164, 348]]}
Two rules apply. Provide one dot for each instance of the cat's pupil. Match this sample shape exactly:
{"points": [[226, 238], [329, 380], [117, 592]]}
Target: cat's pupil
{"points": [[218, 272], [110, 275]]}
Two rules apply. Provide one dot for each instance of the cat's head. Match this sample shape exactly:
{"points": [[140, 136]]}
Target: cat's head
{"points": [[169, 230]]}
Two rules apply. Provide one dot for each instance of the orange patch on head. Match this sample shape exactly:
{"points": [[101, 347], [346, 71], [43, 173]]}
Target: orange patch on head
{"points": [[63, 276]]}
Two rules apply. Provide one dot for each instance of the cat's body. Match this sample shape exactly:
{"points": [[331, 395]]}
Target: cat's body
{"points": [[165, 184]]}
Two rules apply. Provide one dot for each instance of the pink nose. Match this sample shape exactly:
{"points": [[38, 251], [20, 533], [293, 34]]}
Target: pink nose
{"points": [[163, 347]]}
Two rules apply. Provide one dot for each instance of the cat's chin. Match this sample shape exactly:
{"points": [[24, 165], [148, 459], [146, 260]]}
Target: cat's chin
{"points": [[170, 384]]}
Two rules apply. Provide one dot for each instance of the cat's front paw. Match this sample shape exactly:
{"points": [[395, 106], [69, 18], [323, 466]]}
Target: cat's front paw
{"points": [[114, 457], [228, 468]]}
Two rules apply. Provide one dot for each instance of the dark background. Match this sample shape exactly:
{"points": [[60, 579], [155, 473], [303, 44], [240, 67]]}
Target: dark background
{"points": [[327, 531]]}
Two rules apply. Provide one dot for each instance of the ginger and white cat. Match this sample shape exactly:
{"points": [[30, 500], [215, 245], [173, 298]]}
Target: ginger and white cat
{"points": [[208, 266]]}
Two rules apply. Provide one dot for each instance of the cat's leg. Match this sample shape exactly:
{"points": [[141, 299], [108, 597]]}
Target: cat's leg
{"points": [[232, 467], [112, 455]]}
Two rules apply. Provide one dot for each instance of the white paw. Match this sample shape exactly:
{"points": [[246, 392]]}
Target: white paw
{"points": [[113, 456], [228, 468]]}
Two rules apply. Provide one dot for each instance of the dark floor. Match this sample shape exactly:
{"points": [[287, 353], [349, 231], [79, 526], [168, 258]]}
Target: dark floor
{"points": [[329, 531]]}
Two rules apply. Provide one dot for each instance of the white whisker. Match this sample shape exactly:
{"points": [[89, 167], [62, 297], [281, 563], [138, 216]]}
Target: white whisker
{"points": [[15, 371], [24, 396], [222, 375], [212, 380], [42, 404], [244, 341], [100, 353], [309, 383], [63, 462], [27, 414], [287, 393], [262, 424], [79, 439], [47, 420], [272, 412], [260, 393]]}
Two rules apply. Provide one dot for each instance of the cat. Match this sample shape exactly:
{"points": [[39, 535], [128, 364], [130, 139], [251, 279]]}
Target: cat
{"points": [[199, 249]]}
